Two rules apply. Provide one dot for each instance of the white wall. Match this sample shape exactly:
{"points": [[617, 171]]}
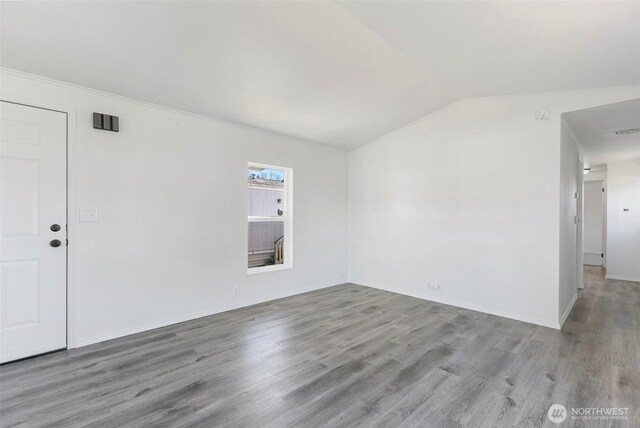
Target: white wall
{"points": [[170, 189], [570, 233], [467, 197], [596, 176], [623, 227], [470, 197]]}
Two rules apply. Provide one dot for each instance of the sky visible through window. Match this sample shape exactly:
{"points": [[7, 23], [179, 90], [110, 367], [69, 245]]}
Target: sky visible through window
{"points": [[266, 174]]}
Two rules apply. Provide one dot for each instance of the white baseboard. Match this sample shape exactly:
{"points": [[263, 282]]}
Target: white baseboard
{"points": [[623, 278], [186, 317], [473, 307], [115, 334], [567, 311]]}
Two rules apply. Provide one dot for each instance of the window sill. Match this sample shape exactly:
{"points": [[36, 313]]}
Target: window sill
{"points": [[270, 268]]}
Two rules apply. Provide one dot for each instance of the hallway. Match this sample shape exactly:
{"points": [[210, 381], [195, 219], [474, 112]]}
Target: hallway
{"points": [[601, 339]]}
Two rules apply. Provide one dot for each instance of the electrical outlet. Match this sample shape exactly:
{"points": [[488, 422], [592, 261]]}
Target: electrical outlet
{"points": [[236, 291], [434, 285]]}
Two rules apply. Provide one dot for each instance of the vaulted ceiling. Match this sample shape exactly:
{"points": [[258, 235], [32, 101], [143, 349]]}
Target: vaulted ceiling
{"points": [[337, 73]]}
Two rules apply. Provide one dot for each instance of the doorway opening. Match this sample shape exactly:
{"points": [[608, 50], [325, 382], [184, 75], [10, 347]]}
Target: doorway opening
{"points": [[594, 244], [608, 138]]}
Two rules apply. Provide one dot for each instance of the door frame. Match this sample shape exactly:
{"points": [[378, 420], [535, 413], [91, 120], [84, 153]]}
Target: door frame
{"points": [[604, 222], [72, 207], [603, 193], [579, 222]]}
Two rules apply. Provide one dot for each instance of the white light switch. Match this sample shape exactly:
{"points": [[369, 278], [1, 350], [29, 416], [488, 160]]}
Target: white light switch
{"points": [[89, 214]]}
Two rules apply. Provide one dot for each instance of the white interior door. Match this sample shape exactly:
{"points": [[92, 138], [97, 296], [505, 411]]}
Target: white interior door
{"points": [[593, 223], [33, 199]]}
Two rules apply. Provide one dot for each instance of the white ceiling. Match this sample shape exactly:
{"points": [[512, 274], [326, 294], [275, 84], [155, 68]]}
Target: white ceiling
{"points": [[336, 73], [595, 128]]}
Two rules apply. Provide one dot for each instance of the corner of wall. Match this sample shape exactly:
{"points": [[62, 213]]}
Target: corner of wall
{"points": [[567, 311]]}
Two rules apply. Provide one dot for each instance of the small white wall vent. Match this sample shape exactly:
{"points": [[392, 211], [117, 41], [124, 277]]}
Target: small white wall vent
{"points": [[628, 131]]}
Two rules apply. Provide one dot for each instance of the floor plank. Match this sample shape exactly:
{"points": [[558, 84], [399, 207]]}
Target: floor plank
{"points": [[346, 356]]}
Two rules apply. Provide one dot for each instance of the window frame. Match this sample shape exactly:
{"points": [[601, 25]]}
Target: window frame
{"points": [[286, 218]]}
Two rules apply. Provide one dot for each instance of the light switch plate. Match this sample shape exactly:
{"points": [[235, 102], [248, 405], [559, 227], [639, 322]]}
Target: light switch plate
{"points": [[89, 214]]}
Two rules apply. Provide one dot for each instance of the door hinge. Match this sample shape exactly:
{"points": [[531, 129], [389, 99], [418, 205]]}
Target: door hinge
{"points": [[67, 242], [602, 255]]}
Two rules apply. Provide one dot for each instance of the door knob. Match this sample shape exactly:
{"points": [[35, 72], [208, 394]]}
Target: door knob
{"points": [[55, 227], [55, 243]]}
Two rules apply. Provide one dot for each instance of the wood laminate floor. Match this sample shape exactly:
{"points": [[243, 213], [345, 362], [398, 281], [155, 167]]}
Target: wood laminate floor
{"points": [[344, 356]]}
